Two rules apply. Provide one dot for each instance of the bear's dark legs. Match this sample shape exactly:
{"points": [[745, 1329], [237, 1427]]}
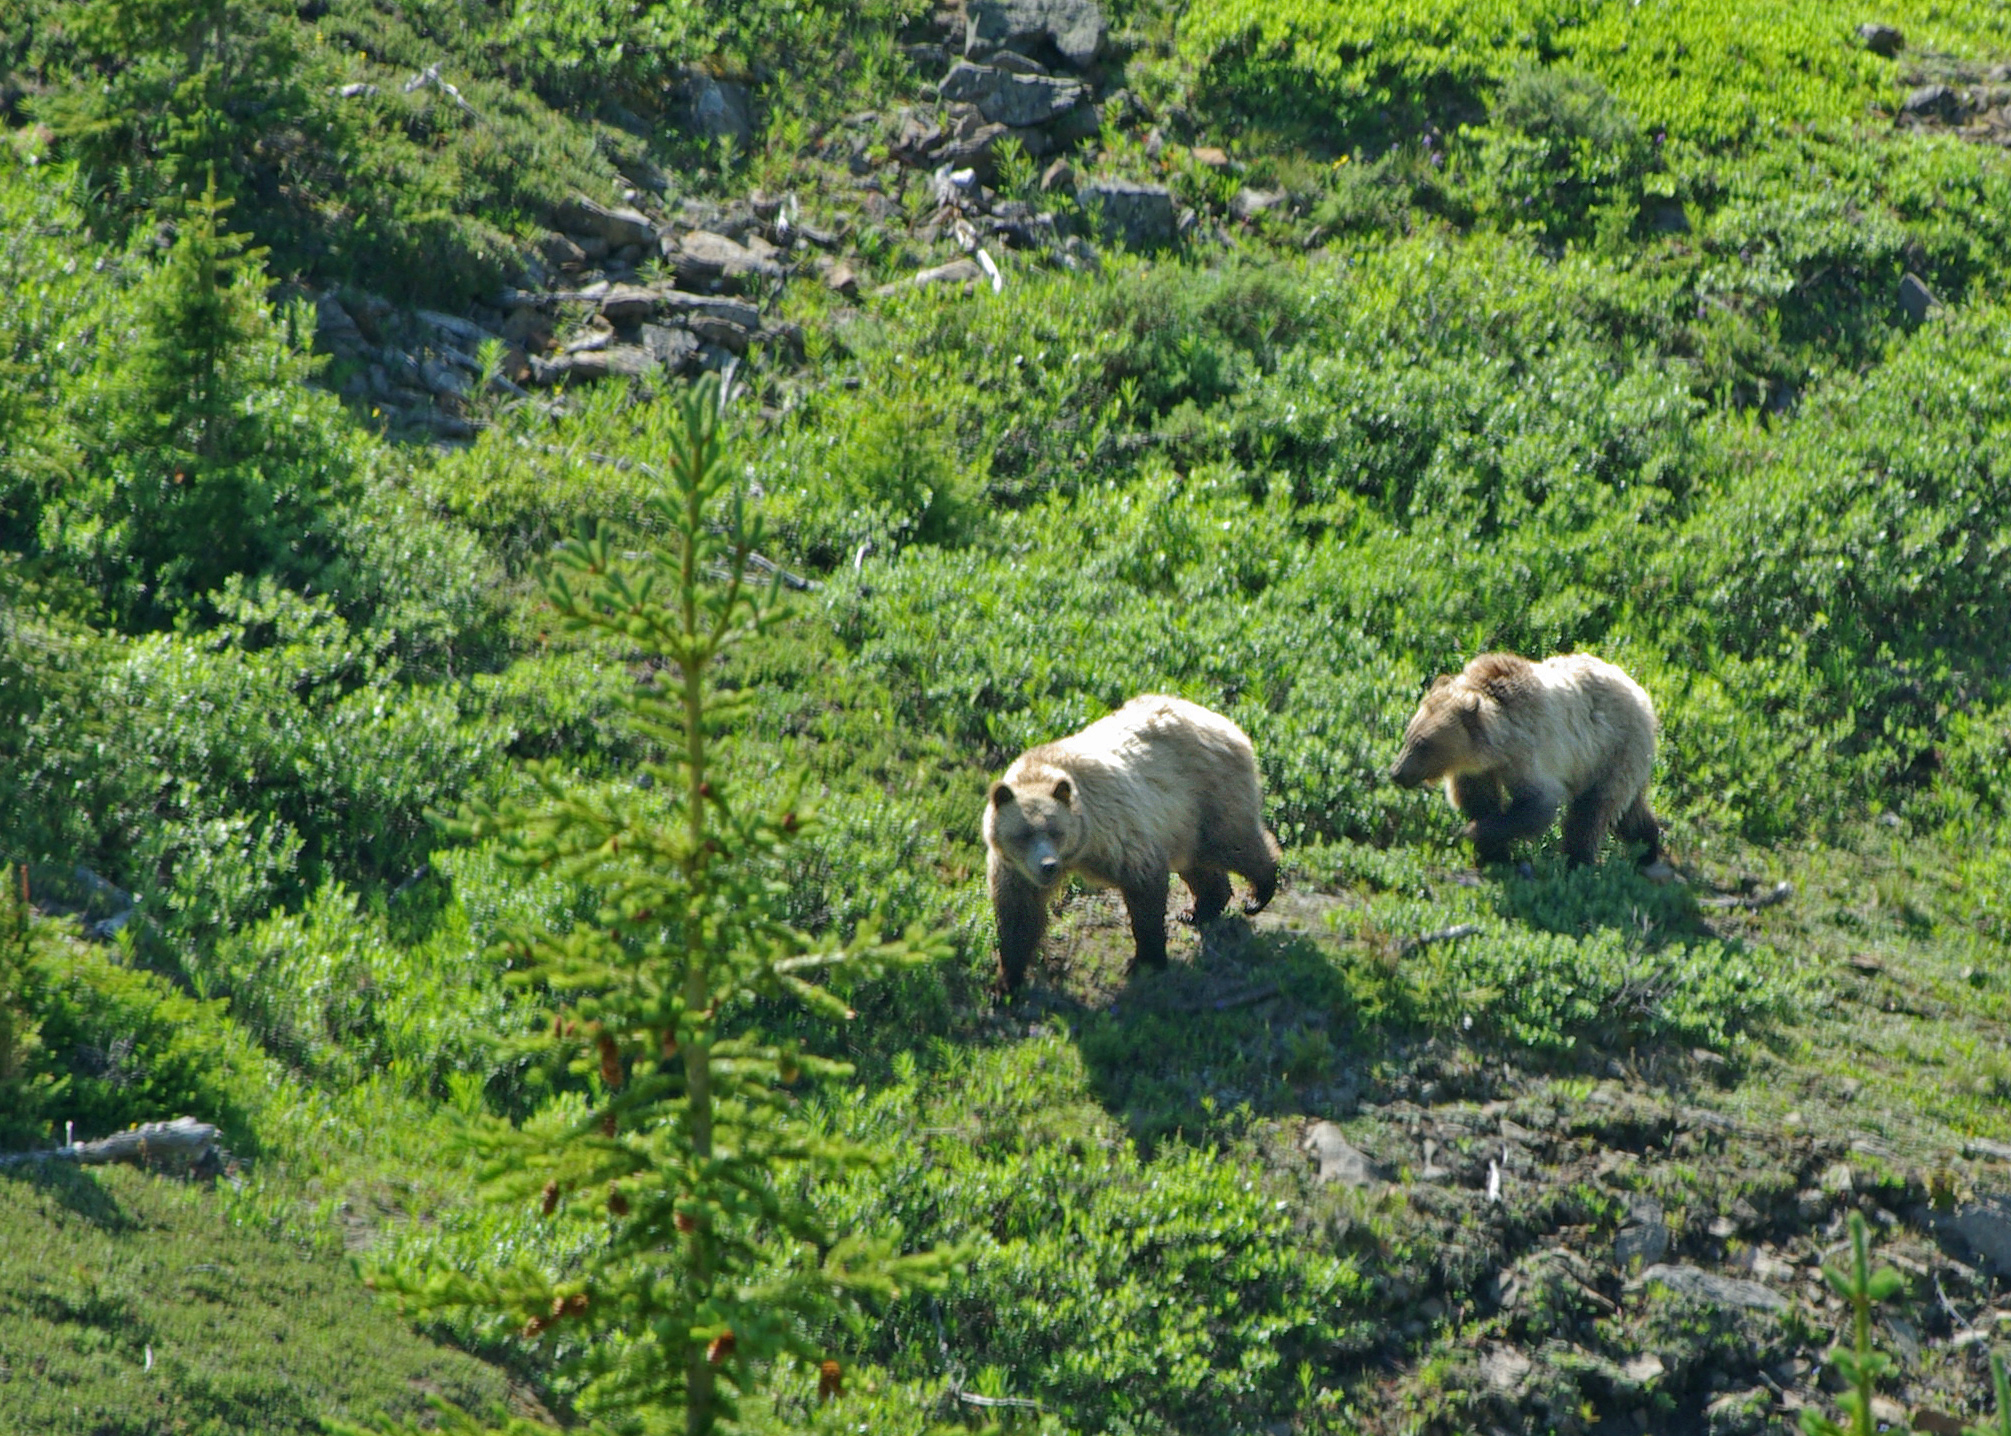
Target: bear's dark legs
{"points": [[1477, 795], [1021, 910], [1528, 815], [1145, 900], [1585, 825], [1638, 825], [1210, 887]]}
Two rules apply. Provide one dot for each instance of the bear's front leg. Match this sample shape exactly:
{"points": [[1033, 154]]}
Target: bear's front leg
{"points": [[1021, 911], [1145, 900], [1529, 814]]}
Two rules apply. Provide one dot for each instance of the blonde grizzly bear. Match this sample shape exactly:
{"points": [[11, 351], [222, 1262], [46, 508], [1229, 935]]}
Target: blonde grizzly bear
{"points": [[1514, 741], [1160, 786]]}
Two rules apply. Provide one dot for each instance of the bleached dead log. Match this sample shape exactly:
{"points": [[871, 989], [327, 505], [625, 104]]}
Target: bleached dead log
{"points": [[184, 1140]]}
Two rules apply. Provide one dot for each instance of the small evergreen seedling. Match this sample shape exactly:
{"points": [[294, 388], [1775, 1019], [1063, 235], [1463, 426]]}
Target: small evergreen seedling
{"points": [[1863, 1364], [2001, 1426], [691, 1150]]}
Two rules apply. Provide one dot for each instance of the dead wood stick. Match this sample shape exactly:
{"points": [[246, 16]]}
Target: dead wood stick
{"points": [[1779, 892], [184, 1139], [1445, 934]]}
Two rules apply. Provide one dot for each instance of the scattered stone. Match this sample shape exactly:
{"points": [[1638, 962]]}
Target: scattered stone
{"points": [[1074, 28], [719, 109], [1701, 1285], [703, 257], [1915, 298], [1140, 216], [1014, 61], [842, 279], [930, 59], [1768, 1267], [1983, 1228], [628, 304], [1212, 157], [443, 380], [1643, 1369], [335, 329], [972, 151], [1008, 99], [717, 331], [1503, 1368], [561, 251], [957, 271], [1249, 203], [1982, 1147], [1934, 102], [618, 227], [1882, 40], [1644, 1239], [1340, 1161], [360, 90], [675, 349], [1738, 1413], [1837, 1179], [1937, 1423]]}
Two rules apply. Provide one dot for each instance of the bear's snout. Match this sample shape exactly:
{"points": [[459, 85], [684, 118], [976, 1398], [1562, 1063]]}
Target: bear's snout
{"points": [[1049, 870], [1403, 775]]}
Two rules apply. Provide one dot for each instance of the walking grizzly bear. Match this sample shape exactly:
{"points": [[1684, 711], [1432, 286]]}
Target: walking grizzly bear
{"points": [[1160, 786], [1513, 741]]}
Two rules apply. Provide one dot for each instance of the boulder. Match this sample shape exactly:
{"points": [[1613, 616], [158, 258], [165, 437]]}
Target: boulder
{"points": [[1981, 1231], [675, 349], [1935, 102], [1915, 298], [719, 109], [957, 271], [617, 227], [1004, 98], [629, 303], [1701, 1285], [1139, 216], [1339, 1159], [1249, 203], [335, 330], [703, 257], [1074, 29], [1881, 40]]}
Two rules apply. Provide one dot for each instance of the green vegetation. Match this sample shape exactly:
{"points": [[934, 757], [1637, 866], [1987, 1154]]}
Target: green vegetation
{"points": [[1560, 327]]}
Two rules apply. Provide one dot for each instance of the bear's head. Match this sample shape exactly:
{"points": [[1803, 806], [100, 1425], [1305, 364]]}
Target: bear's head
{"points": [[1036, 826], [1447, 736]]}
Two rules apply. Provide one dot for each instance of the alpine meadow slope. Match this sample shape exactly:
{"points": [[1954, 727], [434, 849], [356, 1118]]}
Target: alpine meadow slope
{"points": [[1280, 357]]}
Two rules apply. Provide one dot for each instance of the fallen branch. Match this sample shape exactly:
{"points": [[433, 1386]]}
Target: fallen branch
{"points": [[1779, 892], [1224, 1004], [182, 1140], [1445, 934]]}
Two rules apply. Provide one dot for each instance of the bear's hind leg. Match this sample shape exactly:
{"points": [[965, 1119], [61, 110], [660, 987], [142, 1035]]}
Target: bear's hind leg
{"points": [[1638, 825], [1145, 900], [1210, 887]]}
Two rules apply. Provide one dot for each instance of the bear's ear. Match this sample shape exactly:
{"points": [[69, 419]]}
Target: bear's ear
{"points": [[1064, 793], [1441, 681], [1001, 795], [1469, 712]]}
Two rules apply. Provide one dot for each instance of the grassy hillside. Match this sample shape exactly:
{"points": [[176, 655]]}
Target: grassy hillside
{"points": [[1670, 332]]}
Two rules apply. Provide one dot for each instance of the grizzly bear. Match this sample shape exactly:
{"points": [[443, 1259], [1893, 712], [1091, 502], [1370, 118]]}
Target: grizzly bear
{"points": [[1514, 741], [1160, 786]]}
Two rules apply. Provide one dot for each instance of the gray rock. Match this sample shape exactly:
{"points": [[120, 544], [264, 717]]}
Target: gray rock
{"points": [[561, 251], [629, 303], [1339, 1160], [335, 330], [1983, 1147], [1881, 40], [580, 215], [707, 258], [842, 279], [733, 311], [1916, 298], [717, 331], [1644, 1237], [1701, 1285], [1249, 203], [1140, 216], [443, 379], [1935, 102], [464, 332], [931, 60], [1075, 28], [1004, 98], [1980, 1229], [616, 359], [1739, 1413], [675, 349], [1058, 176], [1014, 61], [719, 109], [972, 151], [1503, 1369]]}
